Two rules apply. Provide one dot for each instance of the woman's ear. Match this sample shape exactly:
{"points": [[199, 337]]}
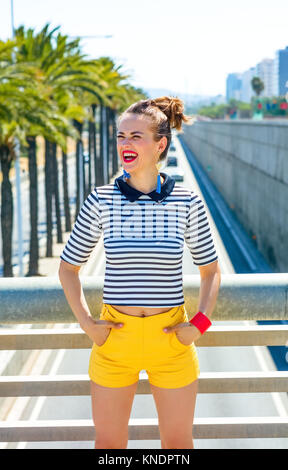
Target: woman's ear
{"points": [[163, 145]]}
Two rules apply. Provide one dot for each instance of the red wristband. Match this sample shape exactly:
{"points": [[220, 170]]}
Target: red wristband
{"points": [[201, 322]]}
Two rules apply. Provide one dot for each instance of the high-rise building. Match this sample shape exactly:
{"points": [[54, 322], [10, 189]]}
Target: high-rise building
{"points": [[272, 72], [233, 86], [246, 89], [280, 75], [265, 71]]}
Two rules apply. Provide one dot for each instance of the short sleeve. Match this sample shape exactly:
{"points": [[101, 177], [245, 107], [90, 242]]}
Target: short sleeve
{"points": [[86, 232], [197, 235]]}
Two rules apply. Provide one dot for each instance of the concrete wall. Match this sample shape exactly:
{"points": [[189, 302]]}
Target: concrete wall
{"points": [[249, 166]]}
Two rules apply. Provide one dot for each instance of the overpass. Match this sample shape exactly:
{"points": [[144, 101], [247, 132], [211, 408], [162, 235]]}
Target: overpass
{"points": [[250, 292]]}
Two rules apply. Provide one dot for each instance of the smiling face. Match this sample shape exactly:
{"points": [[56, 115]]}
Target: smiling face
{"points": [[134, 134]]}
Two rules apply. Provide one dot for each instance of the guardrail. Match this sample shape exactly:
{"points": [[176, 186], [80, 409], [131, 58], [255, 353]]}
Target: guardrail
{"points": [[241, 297]]}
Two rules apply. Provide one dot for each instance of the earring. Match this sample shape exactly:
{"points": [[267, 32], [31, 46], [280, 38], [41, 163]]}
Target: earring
{"points": [[126, 174], [158, 190]]}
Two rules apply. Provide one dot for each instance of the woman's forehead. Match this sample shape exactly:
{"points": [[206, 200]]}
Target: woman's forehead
{"points": [[133, 123]]}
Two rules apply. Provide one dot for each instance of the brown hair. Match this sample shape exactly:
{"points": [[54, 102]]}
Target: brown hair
{"points": [[165, 112]]}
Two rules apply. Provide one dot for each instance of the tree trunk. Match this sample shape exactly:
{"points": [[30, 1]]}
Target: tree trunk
{"points": [[6, 212], [108, 157], [90, 153], [66, 192], [33, 205], [94, 144], [114, 143], [97, 156], [101, 159], [56, 193], [78, 125], [48, 194]]}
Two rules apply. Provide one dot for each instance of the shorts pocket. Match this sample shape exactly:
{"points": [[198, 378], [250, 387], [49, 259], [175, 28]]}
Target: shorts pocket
{"points": [[176, 341], [106, 340], [179, 317], [105, 315]]}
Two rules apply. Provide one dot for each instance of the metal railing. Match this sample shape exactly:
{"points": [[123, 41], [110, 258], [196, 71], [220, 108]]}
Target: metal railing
{"points": [[241, 297]]}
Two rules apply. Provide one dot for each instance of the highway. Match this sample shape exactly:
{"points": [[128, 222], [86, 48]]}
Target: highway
{"points": [[234, 249]]}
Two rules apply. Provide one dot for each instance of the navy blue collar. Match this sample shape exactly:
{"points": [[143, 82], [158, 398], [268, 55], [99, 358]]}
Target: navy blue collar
{"points": [[132, 194]]}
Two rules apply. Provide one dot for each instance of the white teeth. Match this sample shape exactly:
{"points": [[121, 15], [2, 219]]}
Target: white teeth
{"points": [[129, 154]]}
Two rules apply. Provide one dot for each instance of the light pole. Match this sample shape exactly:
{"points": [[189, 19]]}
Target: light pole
{"points": [[18, 178]]}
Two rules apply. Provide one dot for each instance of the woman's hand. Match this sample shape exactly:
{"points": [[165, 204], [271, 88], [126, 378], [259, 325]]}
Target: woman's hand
{"points": [[98, 330], [185, 332]]}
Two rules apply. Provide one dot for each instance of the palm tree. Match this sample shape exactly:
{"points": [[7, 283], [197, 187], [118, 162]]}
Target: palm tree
{"points": [[61, 69], [257, 85], [16, 91], [35, 115], [113, 90], [53, 128], [63, 91]]}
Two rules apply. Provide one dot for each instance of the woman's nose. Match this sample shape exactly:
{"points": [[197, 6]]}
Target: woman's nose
{"points": [[125, 141]]}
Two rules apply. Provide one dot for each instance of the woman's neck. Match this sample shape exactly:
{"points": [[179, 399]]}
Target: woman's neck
{"points": [[146, 184]]}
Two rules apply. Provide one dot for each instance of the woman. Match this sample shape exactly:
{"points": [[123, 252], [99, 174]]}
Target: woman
{"points": [[145, 218]]}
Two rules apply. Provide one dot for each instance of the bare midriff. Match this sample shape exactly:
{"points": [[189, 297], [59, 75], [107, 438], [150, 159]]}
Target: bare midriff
{"points": [[139, 311]]}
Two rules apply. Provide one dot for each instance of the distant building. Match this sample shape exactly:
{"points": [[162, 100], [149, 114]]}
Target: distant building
{"points": [[247, 90], [233, 86], [272, 72], [265, 71], [280, 74]]}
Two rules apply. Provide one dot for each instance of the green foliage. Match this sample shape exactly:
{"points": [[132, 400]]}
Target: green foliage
{"points": [[267, 106], [270, 107], [46, 82]]}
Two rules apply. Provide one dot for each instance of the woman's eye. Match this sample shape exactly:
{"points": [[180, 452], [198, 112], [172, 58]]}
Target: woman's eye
{"points": [[121, 137]]}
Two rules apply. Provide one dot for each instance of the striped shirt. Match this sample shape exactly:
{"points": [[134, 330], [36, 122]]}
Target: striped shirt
{"points": [[144, 238]]}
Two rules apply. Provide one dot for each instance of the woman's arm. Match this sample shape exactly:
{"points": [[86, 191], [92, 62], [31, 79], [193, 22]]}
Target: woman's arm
{"points": [[208, 293], [209, 287], [97, 330], [199, 239], [69, 279]]}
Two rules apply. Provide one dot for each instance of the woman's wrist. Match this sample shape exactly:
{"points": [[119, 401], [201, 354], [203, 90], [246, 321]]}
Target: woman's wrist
{"points": [[201, 321], [85, 321]]}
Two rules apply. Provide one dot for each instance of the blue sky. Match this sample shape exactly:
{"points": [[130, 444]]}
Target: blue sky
{"points": [[185, 45]]}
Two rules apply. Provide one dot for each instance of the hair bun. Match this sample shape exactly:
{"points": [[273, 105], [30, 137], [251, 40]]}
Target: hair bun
{"points": [[173, 108]]}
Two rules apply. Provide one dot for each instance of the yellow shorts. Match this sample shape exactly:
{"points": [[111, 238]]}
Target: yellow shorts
{"points": [[141, 344]]}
